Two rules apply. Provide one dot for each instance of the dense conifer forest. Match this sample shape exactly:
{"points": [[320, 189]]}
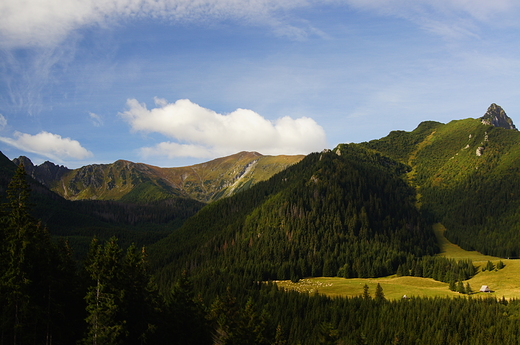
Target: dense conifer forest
{"points": [[181, 272]]}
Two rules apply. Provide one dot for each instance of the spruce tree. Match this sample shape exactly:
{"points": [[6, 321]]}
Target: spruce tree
{"points": [[453, 285], [460, 287], [17, 234], [38, 286], [469, 291], [185, 317], [366, 295], [379, 294], [104, 296]]}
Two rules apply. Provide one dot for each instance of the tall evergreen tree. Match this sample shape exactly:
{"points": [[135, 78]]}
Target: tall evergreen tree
{"points": [[379, 294], [104, 296], [122, 301], [366, 295], [18, 232], [185, 316], [33, 293]]}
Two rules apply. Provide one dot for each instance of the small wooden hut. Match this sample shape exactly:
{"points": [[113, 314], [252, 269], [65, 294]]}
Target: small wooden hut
{"points": [[484, 288]]}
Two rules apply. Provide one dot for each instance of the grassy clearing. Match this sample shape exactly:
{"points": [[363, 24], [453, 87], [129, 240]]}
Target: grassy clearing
{"points": [[453, 251], [393, 287], [503, 283]]}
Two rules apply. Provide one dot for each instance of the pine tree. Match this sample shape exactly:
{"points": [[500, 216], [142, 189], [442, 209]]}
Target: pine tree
{"points": [[469, 291], [104, 296], [37, 277], [379, 294], [328, 334], [453, 285], [185, 316], [22, 241], [366, 295], [490, 266], [279, 338], [139, 305], [460, 287]]}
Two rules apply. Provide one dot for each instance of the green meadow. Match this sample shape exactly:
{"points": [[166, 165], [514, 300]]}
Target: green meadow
{"points": [[503, 283]]}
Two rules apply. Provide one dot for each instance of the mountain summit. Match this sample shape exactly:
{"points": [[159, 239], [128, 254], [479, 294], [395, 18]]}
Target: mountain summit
{"points": [[496, 116]]}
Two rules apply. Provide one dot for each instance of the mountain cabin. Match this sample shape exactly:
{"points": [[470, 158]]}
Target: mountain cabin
{"points": [[485, 288]]}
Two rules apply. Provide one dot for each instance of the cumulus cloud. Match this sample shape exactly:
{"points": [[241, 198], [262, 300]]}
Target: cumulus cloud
{"points": [[203, 133], [49, 145]]}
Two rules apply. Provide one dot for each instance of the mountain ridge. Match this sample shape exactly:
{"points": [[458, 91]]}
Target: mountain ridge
{"points": [[139, 182], [466, 174]]}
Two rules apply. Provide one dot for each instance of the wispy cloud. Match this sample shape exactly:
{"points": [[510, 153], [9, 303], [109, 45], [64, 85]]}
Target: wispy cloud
{"points": [[453, 19], [3, 122], [49, 145], [96, 119], [47, 22], [203, 133], [26, 75]]}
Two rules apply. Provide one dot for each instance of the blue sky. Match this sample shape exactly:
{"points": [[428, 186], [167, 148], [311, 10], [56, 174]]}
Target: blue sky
{"points": [[178, 82]]}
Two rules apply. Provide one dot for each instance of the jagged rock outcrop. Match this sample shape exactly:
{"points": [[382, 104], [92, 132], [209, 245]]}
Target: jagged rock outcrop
{"points": [[45, 173], [496, 116]]}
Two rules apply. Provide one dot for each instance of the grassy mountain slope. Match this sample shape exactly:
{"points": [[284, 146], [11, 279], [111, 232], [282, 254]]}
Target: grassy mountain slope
{"points": [[347, 212], [138, 182], [467, 174], [79, 221]]}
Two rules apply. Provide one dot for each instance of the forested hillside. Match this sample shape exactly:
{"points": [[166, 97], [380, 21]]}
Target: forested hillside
{"points": [[347, 212], [467, 174]]}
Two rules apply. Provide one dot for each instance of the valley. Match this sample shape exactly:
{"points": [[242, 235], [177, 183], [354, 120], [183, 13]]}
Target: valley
{"points": [[128, 251], [503, 283]]}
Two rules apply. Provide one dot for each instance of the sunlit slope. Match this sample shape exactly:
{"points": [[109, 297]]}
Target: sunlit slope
{"points": [[138, 182], [503, 283], [467, 175], [453, 251]]}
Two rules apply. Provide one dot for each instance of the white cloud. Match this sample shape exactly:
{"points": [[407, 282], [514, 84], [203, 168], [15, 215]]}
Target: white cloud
{"points": [[448, 18], [96, 119], [49, 145], [47, 22], [26, 23], [3, 122], [203, 133]]}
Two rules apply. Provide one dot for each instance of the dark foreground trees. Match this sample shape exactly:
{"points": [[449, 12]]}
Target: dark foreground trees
{"points": [[111, 299], [38, 283]]}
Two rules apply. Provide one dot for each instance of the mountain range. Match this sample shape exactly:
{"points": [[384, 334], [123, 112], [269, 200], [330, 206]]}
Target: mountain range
{"points": [[138, 182], [218, 236], [464, 174]]}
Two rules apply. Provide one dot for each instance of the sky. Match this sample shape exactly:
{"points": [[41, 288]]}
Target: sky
{"points": [[179, 82]]}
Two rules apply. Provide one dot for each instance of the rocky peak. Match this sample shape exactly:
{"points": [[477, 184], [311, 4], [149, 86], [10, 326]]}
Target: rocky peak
{"points": [[496, 116], [27, 164], [45, 173]]}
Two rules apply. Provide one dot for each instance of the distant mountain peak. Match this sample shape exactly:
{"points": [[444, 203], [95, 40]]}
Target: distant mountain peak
{"points": [[496, 116], [44, 173]]}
